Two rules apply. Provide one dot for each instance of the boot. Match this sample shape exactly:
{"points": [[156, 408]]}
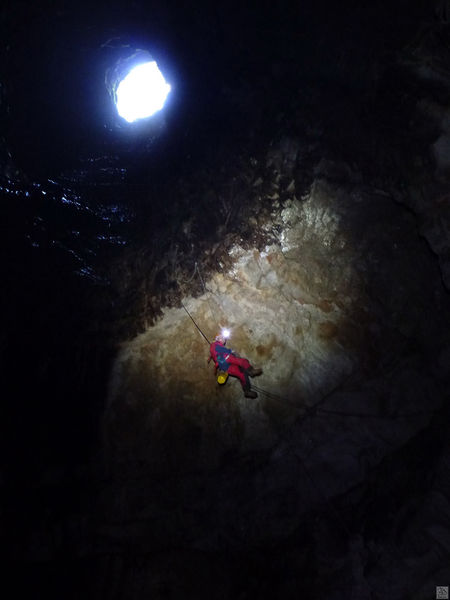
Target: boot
{"points": [[254, 372], [249, 393]]}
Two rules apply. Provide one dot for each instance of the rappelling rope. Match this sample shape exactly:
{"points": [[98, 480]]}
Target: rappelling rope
{"points": [[192, 319], [197, 270], [267, 393], [205, 290], [192, 276]]}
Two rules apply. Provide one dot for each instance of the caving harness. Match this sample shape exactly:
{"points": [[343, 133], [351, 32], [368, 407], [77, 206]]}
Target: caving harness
{"points": [[222, 354]]}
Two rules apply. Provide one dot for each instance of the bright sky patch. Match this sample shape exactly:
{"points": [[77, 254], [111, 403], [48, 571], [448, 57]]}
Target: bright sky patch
{"points": [[142, 92]]}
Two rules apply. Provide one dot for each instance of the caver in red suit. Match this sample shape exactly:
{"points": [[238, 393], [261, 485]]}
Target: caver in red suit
{"points": [[225, 360]]}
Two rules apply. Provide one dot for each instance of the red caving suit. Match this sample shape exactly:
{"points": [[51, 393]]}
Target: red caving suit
{"points": [[237, 366]]}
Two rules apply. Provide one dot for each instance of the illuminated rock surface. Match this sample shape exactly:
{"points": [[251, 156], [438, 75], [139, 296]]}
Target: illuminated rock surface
{"points": [[314, 310], [329, 328]]}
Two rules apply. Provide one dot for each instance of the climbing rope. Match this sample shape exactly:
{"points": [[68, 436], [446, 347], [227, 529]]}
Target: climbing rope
{"points": [[267, 393], [191, 277], [192, 319], [206, 291]]}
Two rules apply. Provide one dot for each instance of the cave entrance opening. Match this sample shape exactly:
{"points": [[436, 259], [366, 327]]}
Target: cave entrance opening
{"points": [[142, 92]]}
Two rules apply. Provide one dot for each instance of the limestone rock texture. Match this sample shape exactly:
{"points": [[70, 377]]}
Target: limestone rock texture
{"points": [[340, 310]]}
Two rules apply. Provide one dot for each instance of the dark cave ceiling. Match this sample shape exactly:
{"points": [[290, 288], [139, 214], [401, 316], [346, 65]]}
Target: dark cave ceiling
{"points": [[56, 109]]}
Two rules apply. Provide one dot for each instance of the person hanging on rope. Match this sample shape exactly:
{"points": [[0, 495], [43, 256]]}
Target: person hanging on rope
{"points": [[227, 361]]}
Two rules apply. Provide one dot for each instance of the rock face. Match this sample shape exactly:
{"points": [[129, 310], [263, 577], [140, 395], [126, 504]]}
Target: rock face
{"points": [[336, 313]]}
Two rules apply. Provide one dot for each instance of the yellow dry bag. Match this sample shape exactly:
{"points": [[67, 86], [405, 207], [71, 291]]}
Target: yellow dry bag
{"points": [[222, 376]]}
